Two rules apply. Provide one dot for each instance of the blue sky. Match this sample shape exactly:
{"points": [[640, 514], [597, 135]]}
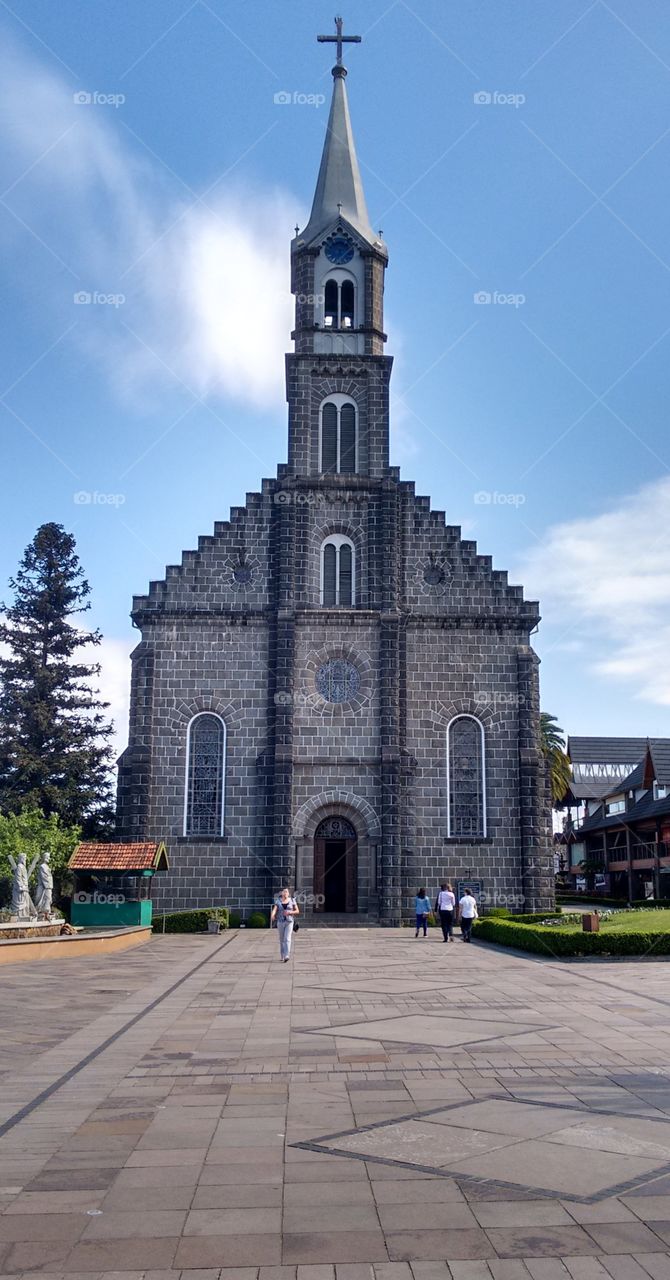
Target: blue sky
{"points": [[536, 417]]}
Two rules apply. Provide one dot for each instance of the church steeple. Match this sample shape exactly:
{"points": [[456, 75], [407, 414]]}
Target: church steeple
{"points": [[339, 187], [337, 378]]}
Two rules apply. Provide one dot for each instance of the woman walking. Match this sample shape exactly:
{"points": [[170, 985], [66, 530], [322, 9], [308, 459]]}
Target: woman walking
{"points": [[445, 905], [284, 912], [422, 908]]}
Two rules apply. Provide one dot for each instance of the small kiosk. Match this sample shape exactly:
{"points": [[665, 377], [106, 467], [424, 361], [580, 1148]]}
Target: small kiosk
{"points": [[112, 882]]}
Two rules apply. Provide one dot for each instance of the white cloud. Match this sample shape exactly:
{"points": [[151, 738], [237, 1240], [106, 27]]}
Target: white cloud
{"points": [[113, 683], [207, 292], [604, 582]]}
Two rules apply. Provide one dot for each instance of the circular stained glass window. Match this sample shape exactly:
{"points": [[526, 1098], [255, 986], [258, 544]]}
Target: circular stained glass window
{"points": [[242, 575], [338, 680]]}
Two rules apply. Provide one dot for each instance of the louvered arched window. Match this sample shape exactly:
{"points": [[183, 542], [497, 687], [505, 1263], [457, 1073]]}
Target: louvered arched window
{"points": [[337, 571], [205, 776], [338, 436], [466, 779], [339, 302]]}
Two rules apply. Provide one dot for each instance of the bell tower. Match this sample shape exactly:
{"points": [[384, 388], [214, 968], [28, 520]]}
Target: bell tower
{"points": [[337, 378]]}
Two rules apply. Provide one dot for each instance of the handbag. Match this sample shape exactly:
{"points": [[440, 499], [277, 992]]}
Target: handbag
{"points": [[296, 926]]}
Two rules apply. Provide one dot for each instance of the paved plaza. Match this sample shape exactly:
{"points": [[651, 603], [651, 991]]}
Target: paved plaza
{"points": [[380, 1108]]}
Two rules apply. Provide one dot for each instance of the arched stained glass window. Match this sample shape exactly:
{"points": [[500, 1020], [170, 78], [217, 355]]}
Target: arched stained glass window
{"points": [[466, 779], [337, 571], [205, 766]]}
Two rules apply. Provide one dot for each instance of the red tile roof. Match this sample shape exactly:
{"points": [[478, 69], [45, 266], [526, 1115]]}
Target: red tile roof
{"points": [[150, 855]]}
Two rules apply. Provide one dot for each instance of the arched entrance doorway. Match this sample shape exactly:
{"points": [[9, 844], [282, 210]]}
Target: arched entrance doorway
{"points": [[335, 866]]}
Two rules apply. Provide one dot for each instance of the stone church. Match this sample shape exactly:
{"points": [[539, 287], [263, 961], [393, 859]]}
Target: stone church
{"points": [[335, 690]]}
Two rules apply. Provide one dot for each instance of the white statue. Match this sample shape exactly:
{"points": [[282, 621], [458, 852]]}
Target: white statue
{"points": [[45, 888], [22, 905]]}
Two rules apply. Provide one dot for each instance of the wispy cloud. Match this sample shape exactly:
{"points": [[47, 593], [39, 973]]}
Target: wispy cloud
{"points": [[604, 581], [204, 275]]}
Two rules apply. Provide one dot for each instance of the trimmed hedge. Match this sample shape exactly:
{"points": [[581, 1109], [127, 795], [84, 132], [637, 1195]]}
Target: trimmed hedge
{"points": [[257, 920], [553, 943], [190, 921]]}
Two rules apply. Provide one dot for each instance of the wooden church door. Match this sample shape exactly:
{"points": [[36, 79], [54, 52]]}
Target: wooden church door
{"points": [[336, 866]]}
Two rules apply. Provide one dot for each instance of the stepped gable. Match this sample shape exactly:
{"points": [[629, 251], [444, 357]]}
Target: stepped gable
{"points": [[447, 574], [227, 573]]}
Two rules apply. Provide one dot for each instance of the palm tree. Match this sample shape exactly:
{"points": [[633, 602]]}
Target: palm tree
{"points": [[553, 750]]}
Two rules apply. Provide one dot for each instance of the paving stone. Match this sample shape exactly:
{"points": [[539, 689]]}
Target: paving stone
{"points": [[624, 1267], [657, 1264], [547, 1268], [409, 1246], [524, 1242], [430, 1271], [625, 1237], [586, 1269], [508, 1269], [228, 1251], [470, 1270], [528, 1213], [336, 1246]]}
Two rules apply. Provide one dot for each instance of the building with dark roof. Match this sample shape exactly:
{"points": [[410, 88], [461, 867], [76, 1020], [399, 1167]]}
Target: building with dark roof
{"points": [[623, 839]]}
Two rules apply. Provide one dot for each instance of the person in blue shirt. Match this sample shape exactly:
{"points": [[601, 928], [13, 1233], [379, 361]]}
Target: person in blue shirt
{"points": [[422, 908]]}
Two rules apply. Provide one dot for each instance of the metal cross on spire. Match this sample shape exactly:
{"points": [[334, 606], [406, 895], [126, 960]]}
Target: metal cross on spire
{"points": [[339, 40]]}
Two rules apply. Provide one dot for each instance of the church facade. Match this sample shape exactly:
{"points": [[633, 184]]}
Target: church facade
{"points": [[335, 691]]}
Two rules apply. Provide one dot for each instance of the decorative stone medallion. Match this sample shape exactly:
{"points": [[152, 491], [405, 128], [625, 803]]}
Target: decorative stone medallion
{"points": [[243, 571], [432, 574]]}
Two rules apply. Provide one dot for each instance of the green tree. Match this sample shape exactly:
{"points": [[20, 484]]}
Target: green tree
{"points": [[31, 833], [553, 750], [54, 737]]}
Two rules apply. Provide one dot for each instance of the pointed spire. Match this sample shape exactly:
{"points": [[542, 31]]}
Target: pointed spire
{"points": [[339, 189]]}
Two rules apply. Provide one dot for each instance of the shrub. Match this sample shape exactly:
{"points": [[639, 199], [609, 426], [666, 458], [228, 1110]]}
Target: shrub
{"points": [[234, 919], [497, 912], [543, 940], [190, 921], [257, 920]]}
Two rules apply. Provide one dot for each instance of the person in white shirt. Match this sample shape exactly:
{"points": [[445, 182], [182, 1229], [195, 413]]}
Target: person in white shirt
{"points": [[445, 905], [467, 908]]}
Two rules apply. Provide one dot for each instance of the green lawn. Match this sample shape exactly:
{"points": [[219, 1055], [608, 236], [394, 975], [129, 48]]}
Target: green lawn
{"points": [[631, 922]]}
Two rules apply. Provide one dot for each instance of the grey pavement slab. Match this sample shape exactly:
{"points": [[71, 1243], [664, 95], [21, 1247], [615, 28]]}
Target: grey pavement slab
{"points": [[372, 1112]]}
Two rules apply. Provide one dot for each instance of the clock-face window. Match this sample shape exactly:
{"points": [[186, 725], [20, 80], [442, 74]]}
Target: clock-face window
{"points": [[339, 250]]}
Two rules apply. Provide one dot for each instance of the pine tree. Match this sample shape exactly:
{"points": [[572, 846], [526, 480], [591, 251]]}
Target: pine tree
{"points": [[54, 737]]}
